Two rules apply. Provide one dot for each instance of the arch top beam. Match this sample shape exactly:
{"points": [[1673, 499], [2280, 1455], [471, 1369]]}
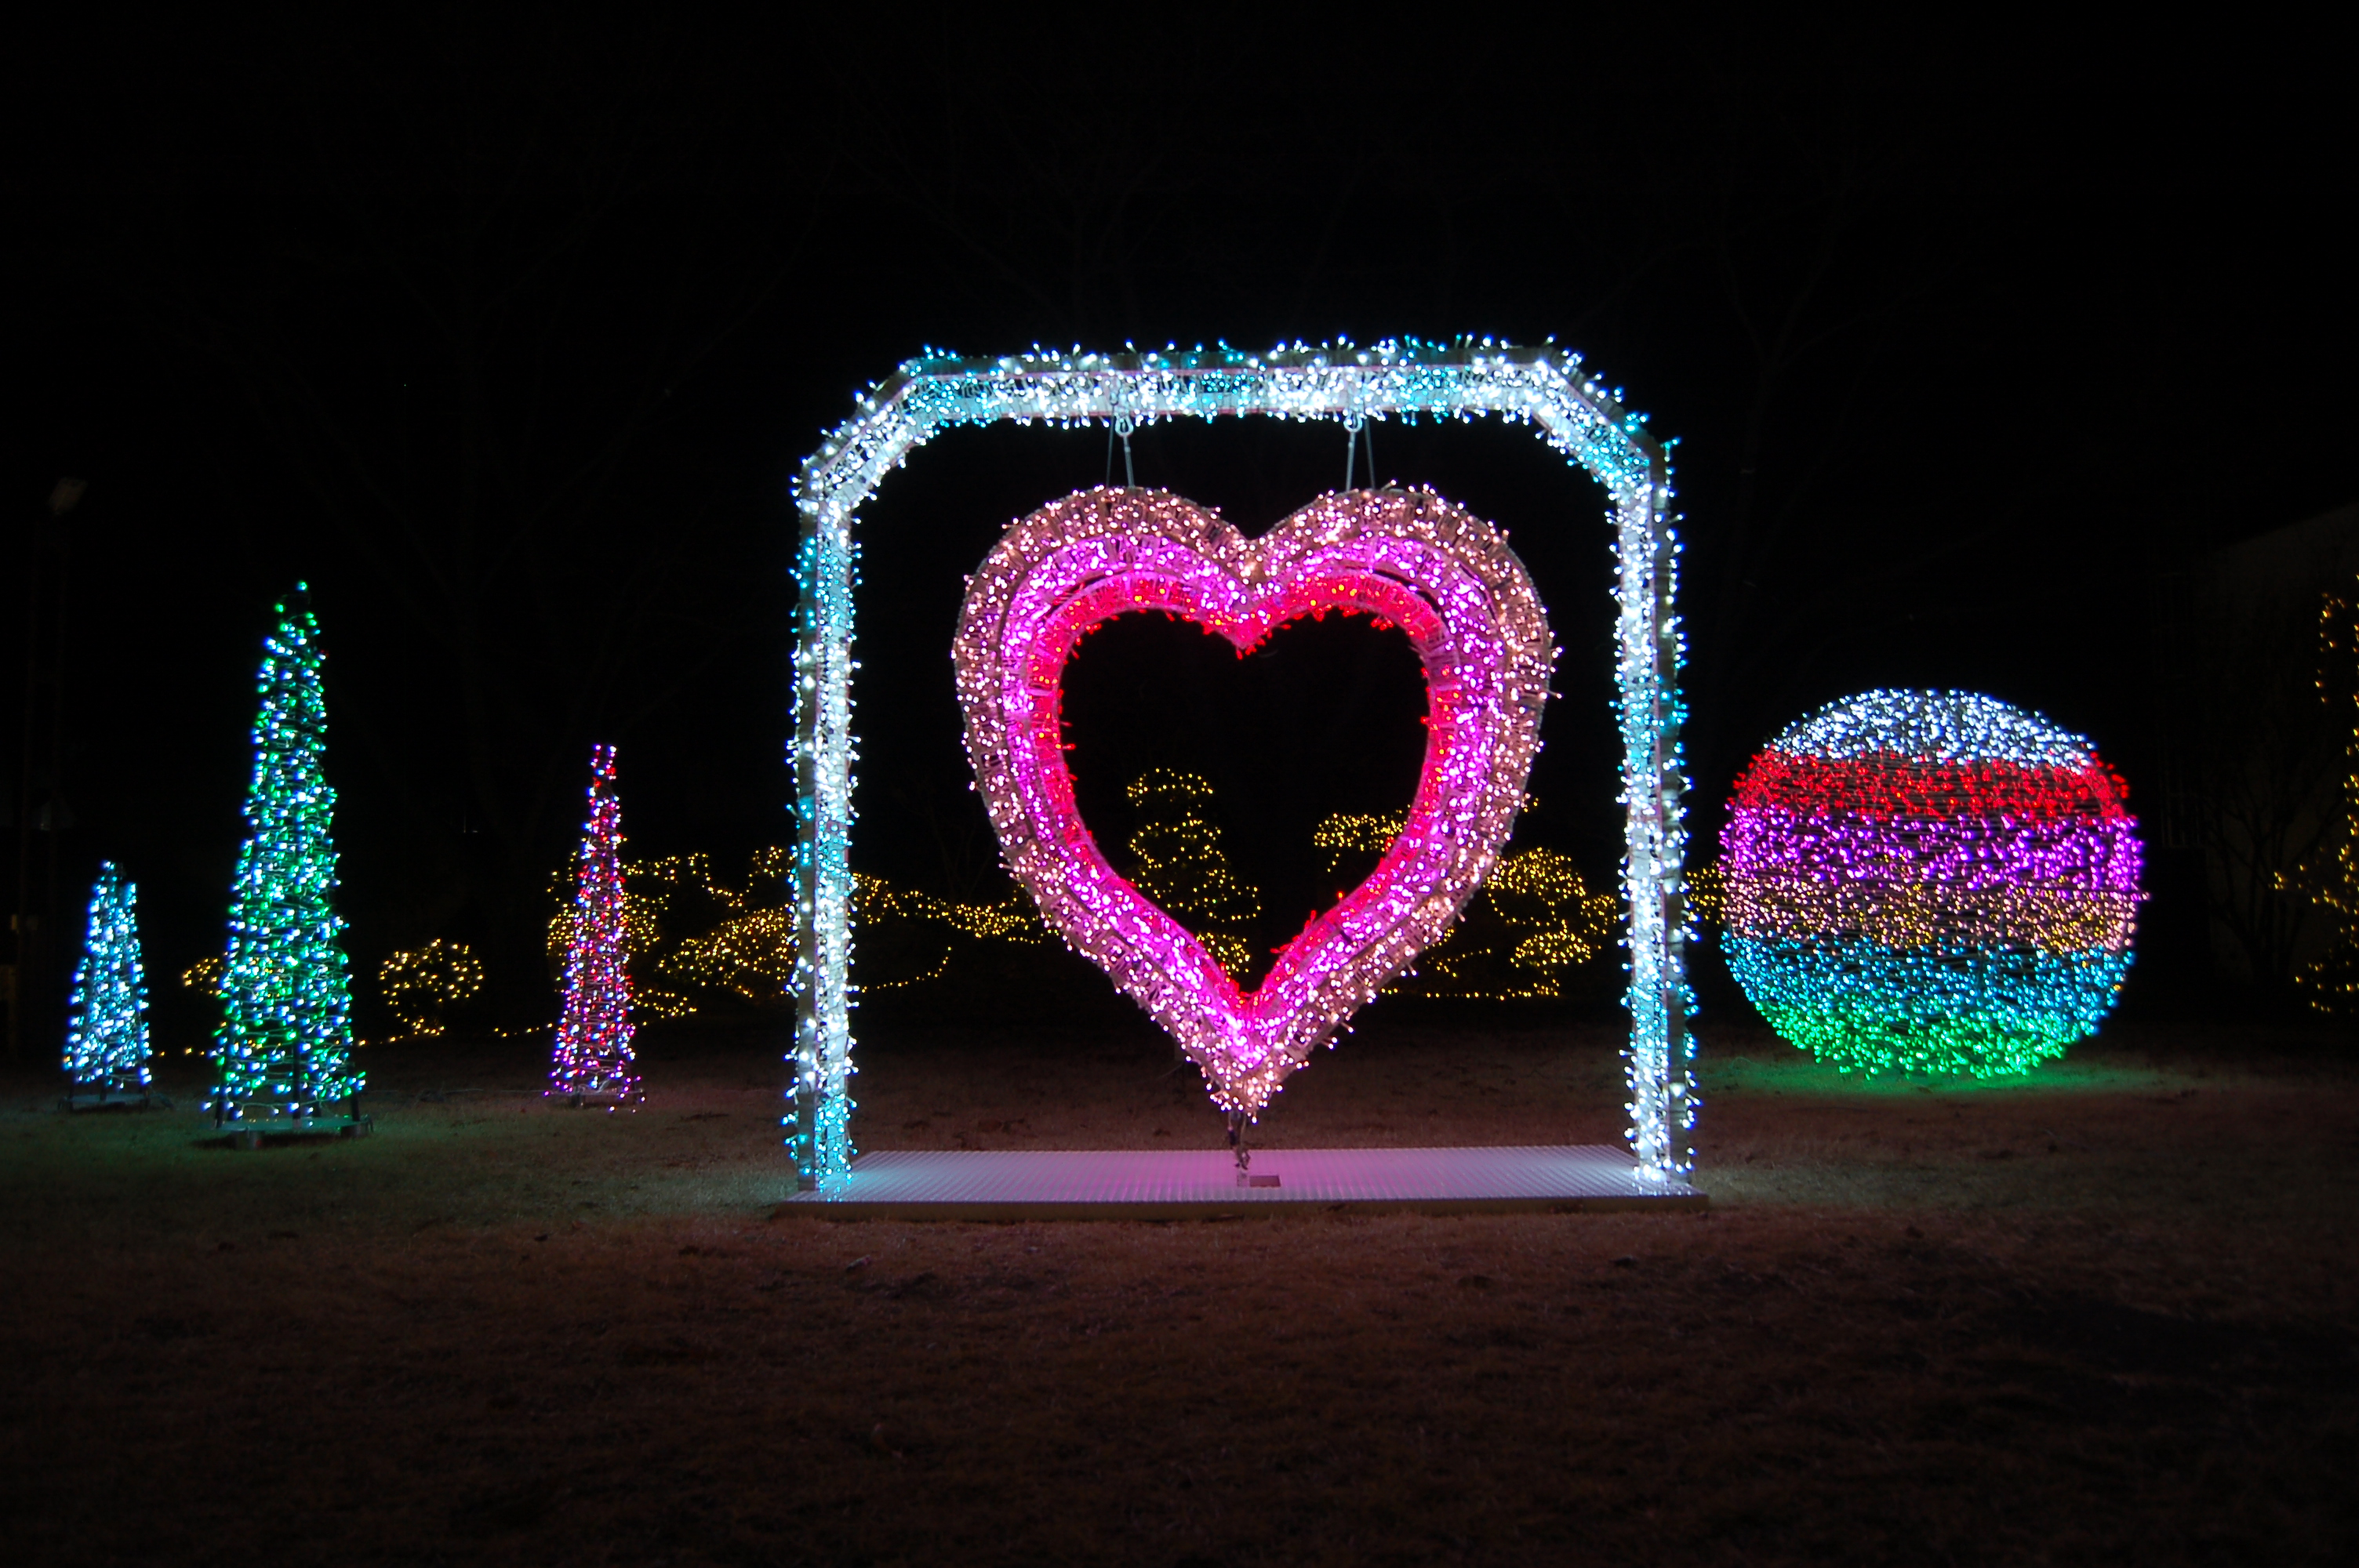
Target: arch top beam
{"points": [[1579, 416], [1546, 387]]}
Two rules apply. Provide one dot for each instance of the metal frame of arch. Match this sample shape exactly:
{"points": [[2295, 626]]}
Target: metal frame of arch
{"points": [[1544, 387]]}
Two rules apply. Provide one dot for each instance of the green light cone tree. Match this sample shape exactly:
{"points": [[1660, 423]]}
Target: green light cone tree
{"points": [[285, 1042], [107, 1020]]}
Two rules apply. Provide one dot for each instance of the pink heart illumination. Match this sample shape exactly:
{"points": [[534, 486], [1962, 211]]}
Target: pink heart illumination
{"points": [[1408, 558]]}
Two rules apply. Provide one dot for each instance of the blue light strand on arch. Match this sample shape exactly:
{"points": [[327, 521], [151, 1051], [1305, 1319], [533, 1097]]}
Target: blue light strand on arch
{"points": [[1396, 378]]}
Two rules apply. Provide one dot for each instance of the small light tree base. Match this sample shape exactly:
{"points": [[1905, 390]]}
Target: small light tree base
{"points": [[278, 1131], [594, 1099], [98, 1097]]}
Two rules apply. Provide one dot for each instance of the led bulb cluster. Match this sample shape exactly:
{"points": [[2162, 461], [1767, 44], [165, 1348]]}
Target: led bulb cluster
{"points": [[285, 1042], [593, 1055], [1929, 882], [1552, 921], [1408, 559], [107, 1015], [1182, 867], [418, 983]]}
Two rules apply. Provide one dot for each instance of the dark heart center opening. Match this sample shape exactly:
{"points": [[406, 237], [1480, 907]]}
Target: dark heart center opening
{"points": [[1205, 777]]}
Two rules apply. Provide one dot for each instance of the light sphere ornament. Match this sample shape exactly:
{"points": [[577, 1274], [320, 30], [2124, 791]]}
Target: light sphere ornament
{"points": [[1929, 882]]}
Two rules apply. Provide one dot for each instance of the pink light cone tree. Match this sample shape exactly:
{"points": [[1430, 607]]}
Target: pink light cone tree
{"points": [[593, 1031]]}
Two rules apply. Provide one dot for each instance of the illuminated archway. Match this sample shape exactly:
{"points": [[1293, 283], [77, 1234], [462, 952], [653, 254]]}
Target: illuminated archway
{"points": [[1543, 387]]}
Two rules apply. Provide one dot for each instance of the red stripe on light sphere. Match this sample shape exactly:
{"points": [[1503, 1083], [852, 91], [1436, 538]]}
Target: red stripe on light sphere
{"points": [[1884, 784]]}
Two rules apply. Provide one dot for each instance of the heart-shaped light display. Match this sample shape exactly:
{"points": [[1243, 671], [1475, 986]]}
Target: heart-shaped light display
{"points": [[1409, 558]]}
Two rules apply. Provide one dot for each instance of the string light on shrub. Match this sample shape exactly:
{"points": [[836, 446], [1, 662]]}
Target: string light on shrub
{"points": [[1445, 577], [593, 1055], [751, 955], [687, 928], [1181, 866], [1548, 388], [1556, 923], [420, 984], [107, 1049], [204, 976], [877, 904], [2329, 981], [1929, 882], [1543, 920], [285, 1042]]}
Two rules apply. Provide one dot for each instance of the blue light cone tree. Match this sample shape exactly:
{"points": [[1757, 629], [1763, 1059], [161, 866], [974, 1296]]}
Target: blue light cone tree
{"points": [[107, 1019], [285, 1042], [593, 1056]]}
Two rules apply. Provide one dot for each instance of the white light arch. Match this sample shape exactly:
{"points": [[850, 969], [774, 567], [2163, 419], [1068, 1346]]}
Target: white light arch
{"points": [[1545, 387]]}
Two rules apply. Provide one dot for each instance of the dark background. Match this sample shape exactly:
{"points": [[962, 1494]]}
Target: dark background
{"points": [[507, 336]]}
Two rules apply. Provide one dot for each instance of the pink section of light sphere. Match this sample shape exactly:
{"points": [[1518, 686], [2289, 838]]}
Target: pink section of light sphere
{"points": [[1443, 576]]}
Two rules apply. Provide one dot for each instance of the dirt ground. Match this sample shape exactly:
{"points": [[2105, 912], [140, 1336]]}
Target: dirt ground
{"points": [[2103, 1315]]}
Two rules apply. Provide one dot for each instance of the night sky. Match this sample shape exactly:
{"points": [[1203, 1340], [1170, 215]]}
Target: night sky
{"points": [[508, 338]]}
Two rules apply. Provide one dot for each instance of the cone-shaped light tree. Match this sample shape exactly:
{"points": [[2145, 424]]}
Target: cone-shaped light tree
{"points": [[284, 1046], [107, 1020], [594, 1032]]}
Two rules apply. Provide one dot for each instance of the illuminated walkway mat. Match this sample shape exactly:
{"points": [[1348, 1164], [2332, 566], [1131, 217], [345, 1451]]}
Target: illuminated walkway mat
{"points": [[1201, 1183]]}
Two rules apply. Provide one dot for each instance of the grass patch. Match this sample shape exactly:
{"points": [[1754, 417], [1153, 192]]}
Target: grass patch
{"points": [[2099, 1313]]}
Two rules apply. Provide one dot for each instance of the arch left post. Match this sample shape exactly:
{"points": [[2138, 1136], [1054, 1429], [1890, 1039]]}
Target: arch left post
{"points": [[818, 1133]]}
